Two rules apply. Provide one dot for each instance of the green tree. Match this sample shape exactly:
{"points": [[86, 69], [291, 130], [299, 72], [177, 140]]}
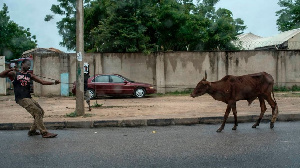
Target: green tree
{"points": [[289, 16], [148, 26], [67, 26], [223, 30], [125, 28], [220, 28], [94, 12], [14, 38]]}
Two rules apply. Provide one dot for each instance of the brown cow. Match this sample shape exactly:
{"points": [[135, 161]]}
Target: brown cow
{"points": [[231, 89]]}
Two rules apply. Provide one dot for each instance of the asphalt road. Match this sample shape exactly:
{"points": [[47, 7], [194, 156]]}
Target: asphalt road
{"points": [[171, 146]]}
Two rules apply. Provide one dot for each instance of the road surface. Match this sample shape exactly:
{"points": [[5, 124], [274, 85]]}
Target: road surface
{"points": [[171, 146]]}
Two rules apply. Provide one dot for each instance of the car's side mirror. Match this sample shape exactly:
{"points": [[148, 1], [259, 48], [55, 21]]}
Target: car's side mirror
{"points": [[125, 82]]}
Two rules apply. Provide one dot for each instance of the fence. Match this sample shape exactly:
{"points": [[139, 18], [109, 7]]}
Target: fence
{"points": [[171, 71]]}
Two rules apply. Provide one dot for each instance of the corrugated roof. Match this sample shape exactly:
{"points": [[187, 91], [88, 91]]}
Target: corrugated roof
{"points": [[248, 36], [41, 50], [250, 41]]}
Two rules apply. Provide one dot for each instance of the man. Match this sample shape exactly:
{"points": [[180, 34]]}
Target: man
{"points": [[21, 81], [86, 92]]}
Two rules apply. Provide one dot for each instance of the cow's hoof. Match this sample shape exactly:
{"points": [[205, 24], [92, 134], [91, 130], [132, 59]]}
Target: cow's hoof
{"points": [[254, 126], [271, 125], [234, 128], [219, 130]]}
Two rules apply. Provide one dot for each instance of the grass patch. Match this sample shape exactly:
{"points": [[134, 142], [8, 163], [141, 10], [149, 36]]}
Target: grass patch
{"points": [[289, 92], [73, 114], [294, 88], [176, 93], [88, 115], [114, 107], [96, 105]]}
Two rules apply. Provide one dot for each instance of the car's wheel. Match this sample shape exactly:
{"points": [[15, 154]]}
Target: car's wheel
{"points": [[92, 93], [139, 92]]}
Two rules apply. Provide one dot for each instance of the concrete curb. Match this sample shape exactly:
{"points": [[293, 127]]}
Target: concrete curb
{"points": [[146, 122]]}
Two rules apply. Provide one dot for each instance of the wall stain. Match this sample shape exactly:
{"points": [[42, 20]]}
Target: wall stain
{"points": [[236, 61], [212, 61], [197, 59]]}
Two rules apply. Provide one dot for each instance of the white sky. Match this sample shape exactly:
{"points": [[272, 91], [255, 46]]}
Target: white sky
{"points": [[258, 15], [31, 14]]}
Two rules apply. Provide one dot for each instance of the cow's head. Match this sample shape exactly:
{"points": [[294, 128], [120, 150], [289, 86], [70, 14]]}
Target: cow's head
{"points": [[201, 87]]}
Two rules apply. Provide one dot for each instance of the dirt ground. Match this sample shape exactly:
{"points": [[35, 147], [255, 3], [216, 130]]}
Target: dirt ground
{"points": [[151, 107]]}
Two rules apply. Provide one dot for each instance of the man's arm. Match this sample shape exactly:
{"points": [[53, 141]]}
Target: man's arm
{"points": [[8, 73], [36, 79]]}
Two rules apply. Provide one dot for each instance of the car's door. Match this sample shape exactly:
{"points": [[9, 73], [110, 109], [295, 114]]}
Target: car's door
{"points": [[120, 86], [101, 85]]}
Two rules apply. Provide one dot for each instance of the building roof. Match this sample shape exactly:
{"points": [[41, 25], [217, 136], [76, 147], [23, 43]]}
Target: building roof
{"points": [[250, 41], [248, 36], [246, 41], [40, 50]]}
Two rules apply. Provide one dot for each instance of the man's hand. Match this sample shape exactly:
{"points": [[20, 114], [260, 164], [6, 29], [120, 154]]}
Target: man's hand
{"points": [[13, 69], [8, 73], [56, 82]]}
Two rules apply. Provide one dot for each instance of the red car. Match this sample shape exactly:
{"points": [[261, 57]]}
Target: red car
{"points": [[116, 85]]}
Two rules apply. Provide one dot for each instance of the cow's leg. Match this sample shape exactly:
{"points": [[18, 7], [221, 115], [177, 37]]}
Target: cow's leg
{"points": [[235, 116], [263, 110], [225, 117], [274, 106]]}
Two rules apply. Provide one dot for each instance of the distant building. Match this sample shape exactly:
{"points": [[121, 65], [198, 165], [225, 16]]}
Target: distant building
{"points": [[29, 53], [288, 40]]}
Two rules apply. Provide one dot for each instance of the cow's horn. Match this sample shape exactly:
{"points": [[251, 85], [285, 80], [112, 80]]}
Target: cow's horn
{"points": [[205, 75]]}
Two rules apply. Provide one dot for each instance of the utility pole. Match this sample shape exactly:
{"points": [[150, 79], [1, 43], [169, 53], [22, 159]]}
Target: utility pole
{"points": [[79, 61]]}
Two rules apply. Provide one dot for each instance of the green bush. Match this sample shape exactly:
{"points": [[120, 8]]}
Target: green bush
{"points": [[184, 92], [286, 89], [72, 114], [97, 105], [295, 88]]}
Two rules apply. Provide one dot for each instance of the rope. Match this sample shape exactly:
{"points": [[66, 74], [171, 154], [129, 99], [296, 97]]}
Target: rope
{"points": [[49, 78], [172, 86]]}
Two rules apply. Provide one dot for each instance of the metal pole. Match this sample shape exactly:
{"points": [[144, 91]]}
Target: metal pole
{"points": [[79, 61]]}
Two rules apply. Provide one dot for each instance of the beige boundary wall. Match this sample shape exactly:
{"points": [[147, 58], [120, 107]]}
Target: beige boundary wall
{"points": [[49, 65], [171, 71]]}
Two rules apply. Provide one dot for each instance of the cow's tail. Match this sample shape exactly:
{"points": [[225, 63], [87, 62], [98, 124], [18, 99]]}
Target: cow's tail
{"points": [[274, 96]]}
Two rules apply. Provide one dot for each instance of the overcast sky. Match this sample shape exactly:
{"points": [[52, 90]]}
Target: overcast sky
{"points": [[259, 17]]}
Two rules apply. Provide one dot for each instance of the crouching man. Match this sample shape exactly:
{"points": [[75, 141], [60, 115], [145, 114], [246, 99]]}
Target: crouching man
{"points": [[21, 81]]}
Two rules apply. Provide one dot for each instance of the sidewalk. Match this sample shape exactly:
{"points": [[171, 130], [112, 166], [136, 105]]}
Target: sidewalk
{"points": [[149, 111]]}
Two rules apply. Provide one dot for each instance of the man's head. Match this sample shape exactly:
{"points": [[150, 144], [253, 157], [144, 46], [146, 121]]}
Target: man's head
{"points": [[25, 65]]}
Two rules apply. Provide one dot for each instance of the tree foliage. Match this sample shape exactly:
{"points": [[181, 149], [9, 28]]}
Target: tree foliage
{"points": [[149, 26], [289, 16], [14, 38]]}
